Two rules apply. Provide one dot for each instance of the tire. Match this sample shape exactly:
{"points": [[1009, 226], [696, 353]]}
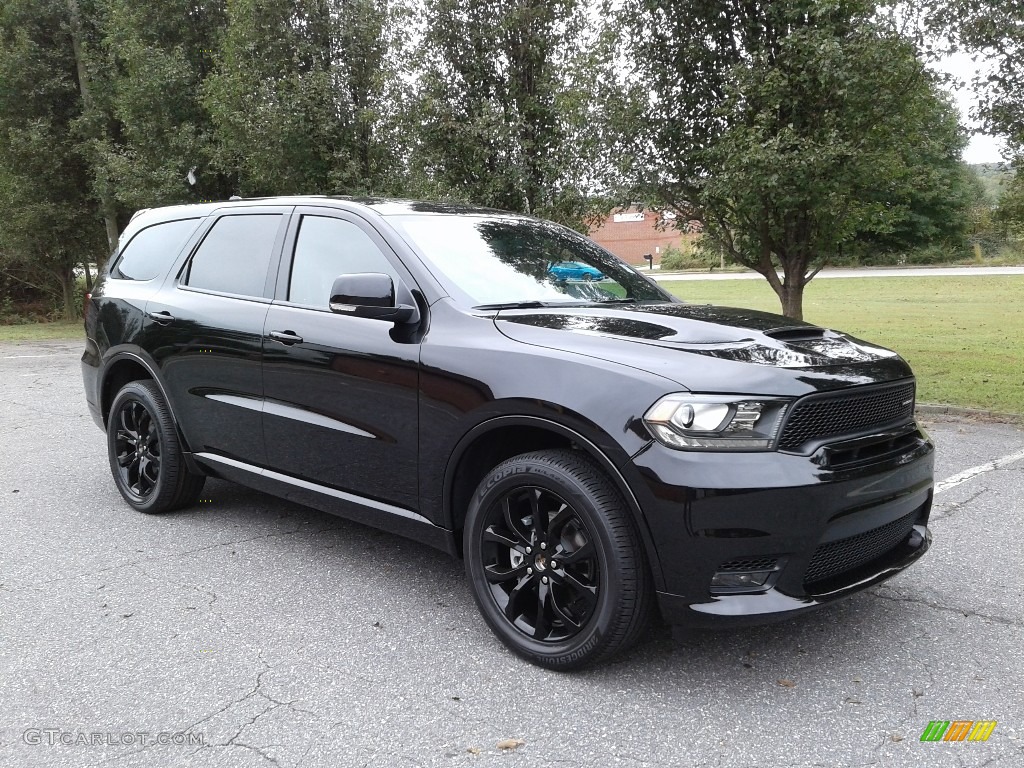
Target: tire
{"points": [[145, 453], [587, 277], [571, 592]]}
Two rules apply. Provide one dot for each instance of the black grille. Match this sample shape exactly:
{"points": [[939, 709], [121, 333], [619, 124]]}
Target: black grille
{"points": [[753, 564], [844, 555], [846, 413]]}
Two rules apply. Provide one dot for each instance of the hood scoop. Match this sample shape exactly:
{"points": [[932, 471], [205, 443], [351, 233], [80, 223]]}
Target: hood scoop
{"points": [[797, 335]]}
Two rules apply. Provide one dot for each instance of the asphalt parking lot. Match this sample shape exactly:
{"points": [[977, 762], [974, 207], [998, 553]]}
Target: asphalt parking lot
{"points": [[270, 634]]}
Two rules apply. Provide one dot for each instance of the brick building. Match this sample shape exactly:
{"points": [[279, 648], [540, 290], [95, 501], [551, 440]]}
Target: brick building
{"points": [[631, 233]]}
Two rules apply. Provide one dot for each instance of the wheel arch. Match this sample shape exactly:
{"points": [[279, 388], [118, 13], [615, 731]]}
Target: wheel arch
{"points": [[126, 366], [491, 442]]}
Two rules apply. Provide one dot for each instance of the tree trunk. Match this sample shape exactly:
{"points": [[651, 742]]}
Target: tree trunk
{"points": [[88, 275], [109, 211], [67, 286], [792, 298]]}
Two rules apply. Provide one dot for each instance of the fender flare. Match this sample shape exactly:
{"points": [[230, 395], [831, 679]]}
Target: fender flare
{"points": [[586, 444], [153, 371]]}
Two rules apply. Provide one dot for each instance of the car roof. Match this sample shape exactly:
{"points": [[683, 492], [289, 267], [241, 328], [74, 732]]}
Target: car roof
{"points": [[382, 206]]}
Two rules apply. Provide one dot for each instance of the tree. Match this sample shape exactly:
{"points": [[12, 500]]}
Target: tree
{"points": [[789, 128], [940, 201], [994, 31], [506, 106], [1009, 214], [94, 123], [50, 220], [299, 97], [154, 57]]}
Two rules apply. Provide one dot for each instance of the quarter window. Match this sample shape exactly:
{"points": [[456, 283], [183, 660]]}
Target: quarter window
{"points": [[235, 255], [325, 249], [150, 253]]}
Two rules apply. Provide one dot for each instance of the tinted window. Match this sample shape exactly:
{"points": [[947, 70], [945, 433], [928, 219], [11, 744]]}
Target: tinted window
{"points": [[505, 259], [325, 249], [149, 254], [235, 255]]}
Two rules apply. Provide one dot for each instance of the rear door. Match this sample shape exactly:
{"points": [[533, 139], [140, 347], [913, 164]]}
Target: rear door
{"points": [[341, 404], [205, 330]]}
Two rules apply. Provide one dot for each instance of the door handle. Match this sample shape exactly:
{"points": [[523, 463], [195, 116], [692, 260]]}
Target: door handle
{"points": [[286, 337], [162, 317]]}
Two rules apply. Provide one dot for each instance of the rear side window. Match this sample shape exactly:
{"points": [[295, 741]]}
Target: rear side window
{"points": [[235, 255], [327, 248], [150, 253]]}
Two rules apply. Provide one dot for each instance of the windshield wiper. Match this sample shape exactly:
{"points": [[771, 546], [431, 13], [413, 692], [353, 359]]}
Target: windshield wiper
{"points": [[529, 305]]}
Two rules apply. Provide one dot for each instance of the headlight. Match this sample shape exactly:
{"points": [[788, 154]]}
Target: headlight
{"points": [[716, 422]]}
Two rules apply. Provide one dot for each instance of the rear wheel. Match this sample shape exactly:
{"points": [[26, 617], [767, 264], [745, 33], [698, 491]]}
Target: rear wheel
{"points": [[554, 560], [145, 453]]}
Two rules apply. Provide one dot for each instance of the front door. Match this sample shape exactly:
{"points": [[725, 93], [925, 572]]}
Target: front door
{"points": [[341, 406]]}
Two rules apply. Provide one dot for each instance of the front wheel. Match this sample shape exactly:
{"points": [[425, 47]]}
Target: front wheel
{"points": [[554, 560], [145, 454]]}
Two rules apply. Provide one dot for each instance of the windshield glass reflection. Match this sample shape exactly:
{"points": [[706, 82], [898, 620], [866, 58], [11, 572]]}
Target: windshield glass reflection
{"points": [[506, 260]]}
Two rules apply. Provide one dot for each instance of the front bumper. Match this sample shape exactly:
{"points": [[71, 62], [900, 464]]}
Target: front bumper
{"points": [[826, 532]]}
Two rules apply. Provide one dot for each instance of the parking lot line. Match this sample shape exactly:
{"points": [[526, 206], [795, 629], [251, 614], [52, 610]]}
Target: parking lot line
{"points": [[981, 469]]}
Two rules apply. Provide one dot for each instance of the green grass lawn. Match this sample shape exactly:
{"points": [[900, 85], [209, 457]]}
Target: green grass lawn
{"points": [[963, 336], [42, 331]]}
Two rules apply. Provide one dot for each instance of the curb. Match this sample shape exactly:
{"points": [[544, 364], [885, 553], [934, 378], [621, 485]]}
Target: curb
{"points": [[928, 409]]}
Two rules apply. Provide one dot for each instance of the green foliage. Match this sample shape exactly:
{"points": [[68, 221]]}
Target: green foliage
{"points": [[49, 216], [1009, 215], [504, 104], [299, 99], [151, 62], [994, 31], [798, 131], [994, 177], [791, 129], [687, 256], [944, 204]]}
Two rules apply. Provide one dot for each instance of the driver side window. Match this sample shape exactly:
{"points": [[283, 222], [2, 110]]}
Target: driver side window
{"points": [[326, 248]]}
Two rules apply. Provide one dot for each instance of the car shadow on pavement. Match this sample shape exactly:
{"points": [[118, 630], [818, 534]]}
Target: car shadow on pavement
{"points": [[776, 654]]}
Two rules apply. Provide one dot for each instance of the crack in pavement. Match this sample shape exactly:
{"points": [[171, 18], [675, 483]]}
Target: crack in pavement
{"points": [[235, 740], [212, 596], [172, 556], [951, 509], [1006, 621]]}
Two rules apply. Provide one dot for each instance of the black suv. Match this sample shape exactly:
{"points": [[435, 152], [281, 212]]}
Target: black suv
{"points": [[589, 447]]}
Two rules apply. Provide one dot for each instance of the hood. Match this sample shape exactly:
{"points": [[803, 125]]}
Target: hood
{"points": [[708, 348]]}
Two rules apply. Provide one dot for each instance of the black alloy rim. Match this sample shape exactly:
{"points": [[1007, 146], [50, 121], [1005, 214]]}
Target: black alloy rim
{"points": [[137, 447], [541, 564]]}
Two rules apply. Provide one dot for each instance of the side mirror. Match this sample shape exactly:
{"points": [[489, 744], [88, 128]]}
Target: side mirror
{"points": [[372, 296]]}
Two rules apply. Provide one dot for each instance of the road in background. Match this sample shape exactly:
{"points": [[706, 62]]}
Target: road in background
{"points": [[281, 636], [846, 273]]}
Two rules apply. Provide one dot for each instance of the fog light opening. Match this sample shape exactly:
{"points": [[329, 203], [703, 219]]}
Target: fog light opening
{"points": [[730, 581]]}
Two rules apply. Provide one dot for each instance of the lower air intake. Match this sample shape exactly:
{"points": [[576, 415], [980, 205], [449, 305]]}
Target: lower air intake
{"points": [[838, 557]]}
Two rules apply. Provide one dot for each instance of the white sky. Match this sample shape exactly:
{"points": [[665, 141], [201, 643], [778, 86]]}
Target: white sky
{"points": [[982, 149]]}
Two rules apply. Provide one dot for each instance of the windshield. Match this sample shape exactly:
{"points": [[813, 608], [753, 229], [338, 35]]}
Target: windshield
{"points": [[505, 261]]}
